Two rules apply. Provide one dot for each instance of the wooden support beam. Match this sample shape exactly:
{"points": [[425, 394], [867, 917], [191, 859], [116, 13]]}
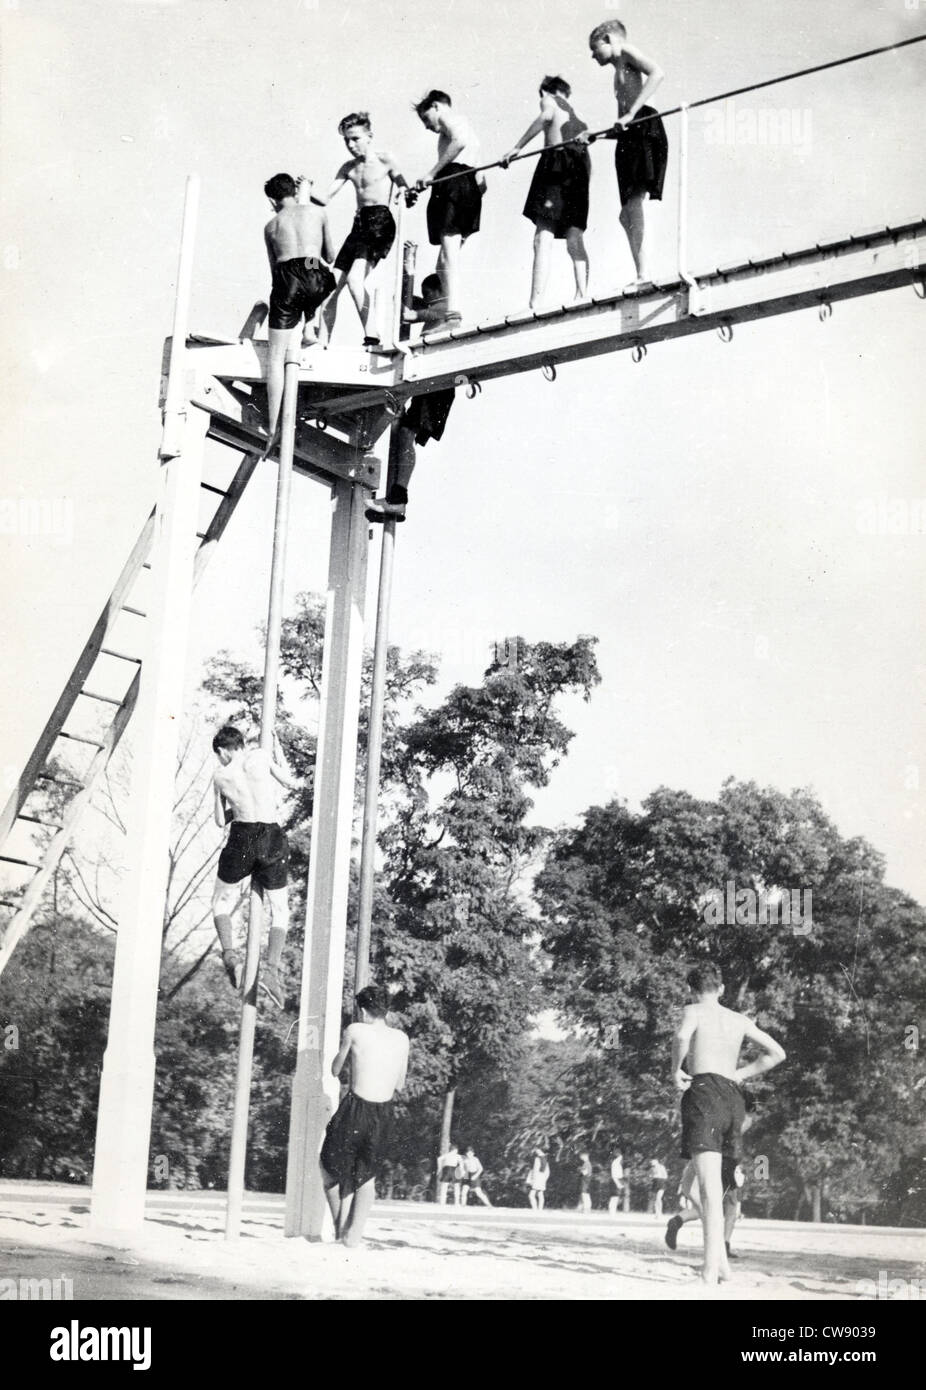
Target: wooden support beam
{"points": [[127, 1084], [315, 1091]]}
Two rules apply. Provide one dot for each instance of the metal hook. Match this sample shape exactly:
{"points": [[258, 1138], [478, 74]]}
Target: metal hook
{"points": [[473, 390], [639, 352], [725, 332], [919, 289], [826, 310], [549, 371], [321, 422], [391, 404]]}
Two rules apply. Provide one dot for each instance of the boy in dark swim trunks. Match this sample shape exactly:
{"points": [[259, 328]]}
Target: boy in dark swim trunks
{"points": [[424, 417], [642, 146], [299, 249], [373, 174], [455, 205], [358, 1136], [709, 1038], [256, 847], [557, 201]]}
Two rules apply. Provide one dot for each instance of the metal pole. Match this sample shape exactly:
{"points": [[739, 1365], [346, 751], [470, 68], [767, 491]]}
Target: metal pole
{"points": [[175, 400], [405, 289], [239, 1134], [683, 271]]}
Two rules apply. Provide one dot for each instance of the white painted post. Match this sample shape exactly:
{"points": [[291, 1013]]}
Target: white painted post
{"points": [[123, 1132], [315, 1090]]}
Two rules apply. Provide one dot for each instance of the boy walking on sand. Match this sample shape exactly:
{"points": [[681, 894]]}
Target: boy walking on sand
{"points": [[557, 200], [709, 1038], [299, 249], [256, 848], [642, 145], [455, 205], [373, 174]]}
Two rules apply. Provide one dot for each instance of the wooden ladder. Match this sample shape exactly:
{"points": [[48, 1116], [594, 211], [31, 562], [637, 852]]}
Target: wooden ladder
{"points": [[41, 767]]}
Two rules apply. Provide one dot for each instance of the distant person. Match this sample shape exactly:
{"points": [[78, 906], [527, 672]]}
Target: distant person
{"points": [[423, 419], [537, 1180], [557, 201], [585, 1182], [373, 174], [358, 1136], [658, 1177], [447, 1165], [705, 1064], [472, 1179], [299, 248], [642, 145], [256, 847], [617, 1182], [455, 205]]}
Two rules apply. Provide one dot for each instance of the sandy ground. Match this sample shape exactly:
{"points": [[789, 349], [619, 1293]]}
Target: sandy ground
{"points": [[425, 1252]]}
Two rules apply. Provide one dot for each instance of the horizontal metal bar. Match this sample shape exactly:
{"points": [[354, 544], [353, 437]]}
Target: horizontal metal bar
{"points": [[26, 863], [120, 656], [106, 699], [80, 738], [219, 491], [59, 781], [126, 608], [35, 820]]}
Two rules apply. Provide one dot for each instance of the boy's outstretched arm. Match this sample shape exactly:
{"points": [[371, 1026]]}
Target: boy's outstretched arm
{"points": [[533, 130], [340, 179], [328, 251], [680, 1045], [654, 77], [395, 173], [337, 1066], [774, 1053], [459, 134]]}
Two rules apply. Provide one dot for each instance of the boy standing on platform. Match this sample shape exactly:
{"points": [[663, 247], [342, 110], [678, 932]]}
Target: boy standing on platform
{"points": [[557, 201], [373, 174], [299, 249], [642, 145], [455, 205]]}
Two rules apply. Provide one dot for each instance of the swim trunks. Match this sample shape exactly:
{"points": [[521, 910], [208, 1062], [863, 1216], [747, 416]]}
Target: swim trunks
{"points": [[558, 193], [455, 205], [713, 1111], [447, 1174], [427, 414], [356, 1141], [369, 239], [641, 156], [299, 286], [256, 848]]}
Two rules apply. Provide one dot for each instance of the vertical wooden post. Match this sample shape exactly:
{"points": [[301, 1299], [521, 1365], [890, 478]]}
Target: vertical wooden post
{"points": [[123, 1127], [315, 1090], [123, 1131], [239, 1134]]}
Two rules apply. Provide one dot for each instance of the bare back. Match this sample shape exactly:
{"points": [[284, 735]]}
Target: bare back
{"points": [[563, 125], [378, 1057], [717, 1039], [296, 231], [455, 127], [249, 788]]}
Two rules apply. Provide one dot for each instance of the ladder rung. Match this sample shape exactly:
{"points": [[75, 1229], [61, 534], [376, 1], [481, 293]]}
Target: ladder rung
{"points": [[146, 565], [79, 738], [219, 491], [49, 825], [5, 903], [107, 699], [126, 608], [120, 656], [27, 863], [59, 781], [200, 535]]}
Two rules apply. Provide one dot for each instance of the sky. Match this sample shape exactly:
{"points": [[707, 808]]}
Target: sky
{"points": [[706, 514]]}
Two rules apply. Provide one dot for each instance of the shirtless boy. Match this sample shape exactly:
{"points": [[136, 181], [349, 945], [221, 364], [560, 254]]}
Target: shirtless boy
{"points": [[358, 1135], [709, 1038], [557, 200], [299, 248], [447, 1165], [256, 846], [373, 173], [455, 205], [642, 145], [424, 418]]}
